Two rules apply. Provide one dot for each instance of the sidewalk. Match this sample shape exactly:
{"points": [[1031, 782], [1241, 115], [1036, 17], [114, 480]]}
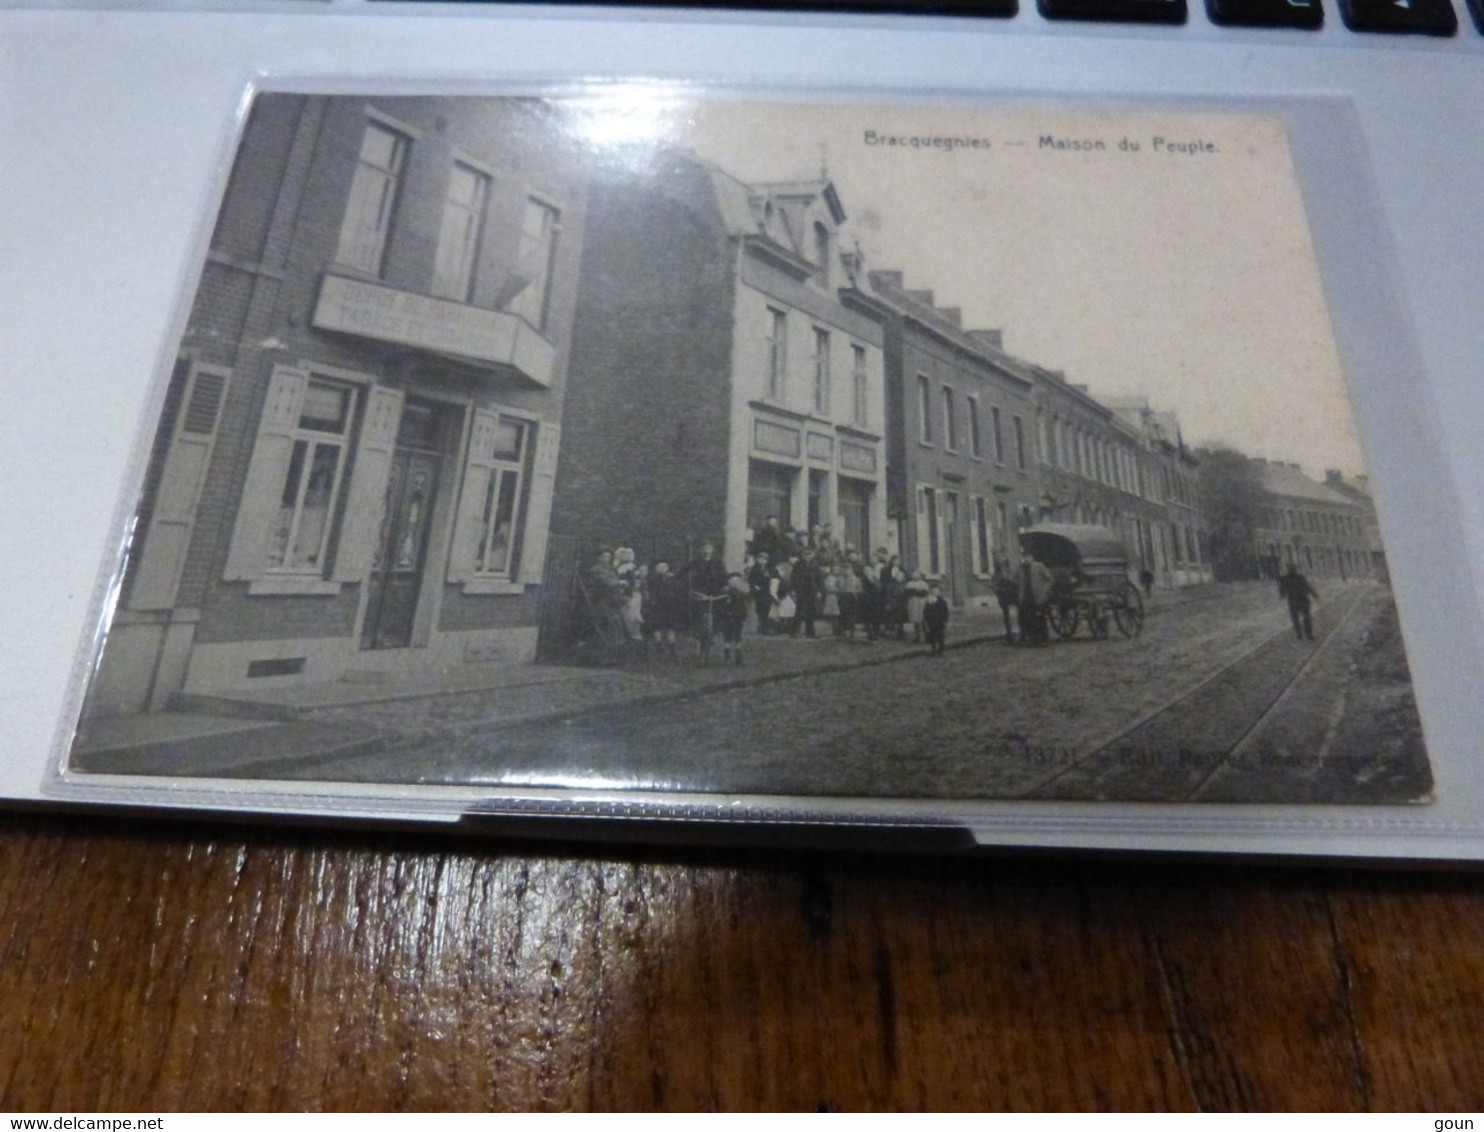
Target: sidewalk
{"points": [[278, 729]]}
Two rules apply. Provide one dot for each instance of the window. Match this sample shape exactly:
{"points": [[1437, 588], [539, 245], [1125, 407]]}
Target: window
{"points": [[373, 199], [458, 238], [974, 439], [494, 552], [777, 359], [822, 253], [999, 439], [300, 537], [821, 372], [534, 261], [925, 408], [950, 425], [983, 538], [770, 492], [1002, 511], [860, 413]]}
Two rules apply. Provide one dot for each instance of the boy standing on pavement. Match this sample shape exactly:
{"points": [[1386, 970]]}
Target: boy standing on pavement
{"points": [[935, 620]]}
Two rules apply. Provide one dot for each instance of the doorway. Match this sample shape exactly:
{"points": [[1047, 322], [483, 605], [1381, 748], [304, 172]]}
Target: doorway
{"points": [[396, 579]]}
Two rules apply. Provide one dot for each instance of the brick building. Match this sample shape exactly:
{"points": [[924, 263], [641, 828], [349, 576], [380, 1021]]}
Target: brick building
{"points": [[727, 367], [354, 470], [962, 473], [1327, 532]]}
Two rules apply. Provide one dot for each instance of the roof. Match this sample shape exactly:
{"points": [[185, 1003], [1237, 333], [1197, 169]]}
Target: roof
{"points": [[904, 302], [1289, 480]]}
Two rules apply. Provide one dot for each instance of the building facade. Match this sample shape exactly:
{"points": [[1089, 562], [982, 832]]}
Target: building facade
{"points": [[1325, 531], [727, 368], [1168, 518], [355, 468], [962, 467]]}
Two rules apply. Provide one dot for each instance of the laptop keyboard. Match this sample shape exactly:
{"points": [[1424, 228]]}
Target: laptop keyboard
{"points": [[1385, 17]]}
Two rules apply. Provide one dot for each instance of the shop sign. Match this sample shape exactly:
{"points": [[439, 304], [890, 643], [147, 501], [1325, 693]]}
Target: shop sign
{"points": [[439, 326], [775, 438], [857, 457]]}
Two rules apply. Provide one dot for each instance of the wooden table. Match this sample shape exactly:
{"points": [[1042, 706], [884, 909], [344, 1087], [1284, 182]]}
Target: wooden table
{"points": [[155, 966]]}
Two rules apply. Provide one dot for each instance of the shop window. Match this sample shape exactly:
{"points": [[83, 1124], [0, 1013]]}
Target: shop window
{"points": [[373, 199], [494, 554], [311, 485], [535, 261], [311, 506], [855, 512], [770, 489], [459, 235], [504, 510]]}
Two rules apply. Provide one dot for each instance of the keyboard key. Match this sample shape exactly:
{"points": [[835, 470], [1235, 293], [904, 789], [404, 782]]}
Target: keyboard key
{"points": [[1133, 11], [1400, 17], [1267, 13]]}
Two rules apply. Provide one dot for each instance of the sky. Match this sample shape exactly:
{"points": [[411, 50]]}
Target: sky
{"points": [[1180, 269]]}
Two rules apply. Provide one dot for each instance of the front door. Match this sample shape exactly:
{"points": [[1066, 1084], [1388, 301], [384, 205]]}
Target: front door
{"points": [[397, 570], [955, 564]]}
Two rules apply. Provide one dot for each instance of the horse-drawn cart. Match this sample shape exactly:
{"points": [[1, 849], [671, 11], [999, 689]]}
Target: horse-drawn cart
{"points": [[1091, 579]]}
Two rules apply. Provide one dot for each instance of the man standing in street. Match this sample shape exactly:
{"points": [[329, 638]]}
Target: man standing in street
{"points": [[1035, 591], [1296, 588]]}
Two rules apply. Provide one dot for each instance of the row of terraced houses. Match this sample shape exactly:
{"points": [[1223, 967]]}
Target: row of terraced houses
{"points": [[436, 358]]}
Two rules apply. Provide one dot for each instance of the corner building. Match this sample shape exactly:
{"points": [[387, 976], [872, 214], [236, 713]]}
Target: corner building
{"points": [[354, 473], [727, 367]]}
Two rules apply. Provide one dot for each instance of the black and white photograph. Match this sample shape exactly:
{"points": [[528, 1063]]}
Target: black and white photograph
{"points": [[641, 440]]}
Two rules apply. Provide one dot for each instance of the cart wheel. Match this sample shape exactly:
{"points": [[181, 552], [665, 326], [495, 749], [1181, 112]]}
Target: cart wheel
{"points": [[1063, 618], [1097, 621], [1128, 610]]}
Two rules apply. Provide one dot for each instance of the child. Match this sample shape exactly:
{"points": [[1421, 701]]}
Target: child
{"points": [[917, 595], [935, 620], [666, 610], [832, 598], [730, 616]]}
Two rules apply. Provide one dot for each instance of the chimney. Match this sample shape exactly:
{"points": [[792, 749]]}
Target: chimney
{"points": [[923, 297], [1333, 476], [992, 338], [954, 315], [891, 279]]}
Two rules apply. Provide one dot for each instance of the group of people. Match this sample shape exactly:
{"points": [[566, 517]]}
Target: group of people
{"points": [[799, 579], [788, 583]]}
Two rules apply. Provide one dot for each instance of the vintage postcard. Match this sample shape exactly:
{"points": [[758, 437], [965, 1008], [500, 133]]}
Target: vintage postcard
{"points": [[638, 440]]}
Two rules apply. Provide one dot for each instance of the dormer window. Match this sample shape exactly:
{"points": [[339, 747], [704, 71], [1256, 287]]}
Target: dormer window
{"points": [[822, 253]]}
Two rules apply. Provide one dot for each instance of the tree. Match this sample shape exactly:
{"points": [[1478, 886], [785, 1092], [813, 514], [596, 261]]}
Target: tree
{"points": [[1232, 499]]}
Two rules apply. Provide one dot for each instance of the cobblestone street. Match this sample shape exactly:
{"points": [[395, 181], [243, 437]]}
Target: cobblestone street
{"points": [[1216, 701]]}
